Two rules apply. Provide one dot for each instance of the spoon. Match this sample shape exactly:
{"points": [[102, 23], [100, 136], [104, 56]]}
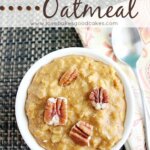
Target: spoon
{"points": [[127, 47]]}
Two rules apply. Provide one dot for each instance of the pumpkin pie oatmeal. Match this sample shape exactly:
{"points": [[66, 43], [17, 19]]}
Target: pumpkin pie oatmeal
{"points": [[76, 103]]}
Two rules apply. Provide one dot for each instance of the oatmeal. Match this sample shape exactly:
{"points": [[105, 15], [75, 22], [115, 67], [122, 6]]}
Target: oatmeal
{"points": [[76, 103]]}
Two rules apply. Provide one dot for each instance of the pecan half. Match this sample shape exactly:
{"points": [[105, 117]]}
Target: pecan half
{"points": [[99, 98], [81, 133], [56, 111], [68, 77]]}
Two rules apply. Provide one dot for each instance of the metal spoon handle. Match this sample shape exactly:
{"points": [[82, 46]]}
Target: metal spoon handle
{"points": [[146, 119]]}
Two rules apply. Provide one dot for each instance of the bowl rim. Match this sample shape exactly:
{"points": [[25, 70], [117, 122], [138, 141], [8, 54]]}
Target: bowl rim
{"points": [[21, 117]]}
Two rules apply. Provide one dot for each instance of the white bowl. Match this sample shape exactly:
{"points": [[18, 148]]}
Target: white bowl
{"points": [[22, 93]]}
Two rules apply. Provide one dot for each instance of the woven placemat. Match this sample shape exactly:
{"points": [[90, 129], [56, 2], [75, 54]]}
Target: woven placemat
{"points": [[19, 49]]}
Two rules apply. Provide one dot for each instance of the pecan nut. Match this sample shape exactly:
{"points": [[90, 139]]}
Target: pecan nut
{"points": [[56, 111], [99, 98], [81, 133], [68, 77]]}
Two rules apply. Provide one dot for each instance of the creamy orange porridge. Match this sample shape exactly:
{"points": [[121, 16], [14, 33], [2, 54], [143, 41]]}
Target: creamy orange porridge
{"points": [[76, 103]]}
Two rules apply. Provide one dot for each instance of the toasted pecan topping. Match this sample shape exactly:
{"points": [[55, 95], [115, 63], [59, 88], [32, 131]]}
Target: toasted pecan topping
{"points": [[68, 77], [56, 111], [99, 97], [81, 133]]}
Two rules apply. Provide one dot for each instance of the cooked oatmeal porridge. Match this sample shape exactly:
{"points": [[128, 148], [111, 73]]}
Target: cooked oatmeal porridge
{"points": [[76, 103]]}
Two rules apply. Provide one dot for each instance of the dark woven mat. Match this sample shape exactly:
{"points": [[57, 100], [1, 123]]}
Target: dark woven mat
{"points": [[19, 49]]}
